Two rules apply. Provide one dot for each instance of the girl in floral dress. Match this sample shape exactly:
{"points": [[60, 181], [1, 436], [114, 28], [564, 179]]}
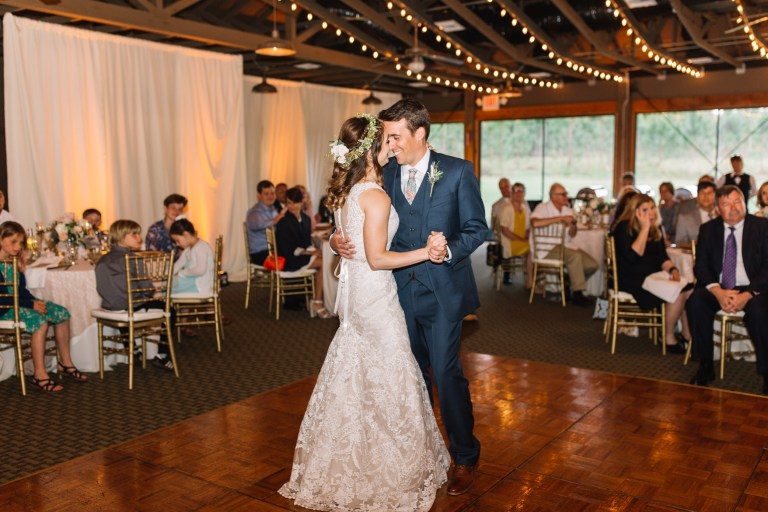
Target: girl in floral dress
{"points": [[37, 315]]}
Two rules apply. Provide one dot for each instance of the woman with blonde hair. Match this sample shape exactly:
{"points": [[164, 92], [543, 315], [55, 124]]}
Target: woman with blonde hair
{"points": [[640, 252], [762, 200]]}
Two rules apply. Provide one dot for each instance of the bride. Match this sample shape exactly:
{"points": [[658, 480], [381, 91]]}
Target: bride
{"points": [[368, 440]]}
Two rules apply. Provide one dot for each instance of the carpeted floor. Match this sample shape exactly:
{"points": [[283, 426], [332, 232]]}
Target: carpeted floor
{"points": [[260, 353]]}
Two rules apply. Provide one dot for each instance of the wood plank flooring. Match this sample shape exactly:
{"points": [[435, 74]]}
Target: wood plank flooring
{"points": [[553, 438]]}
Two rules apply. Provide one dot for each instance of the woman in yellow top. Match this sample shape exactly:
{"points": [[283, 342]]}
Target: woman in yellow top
{"points": [[515, 223]]}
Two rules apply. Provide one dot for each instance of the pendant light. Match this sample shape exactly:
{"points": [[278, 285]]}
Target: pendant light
{"points": [[264, 87], [275, 46]]}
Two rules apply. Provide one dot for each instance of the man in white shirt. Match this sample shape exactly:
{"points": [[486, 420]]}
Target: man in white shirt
{"points": [[738, 177], [580, 265], [506, 193], [731, 275], [691, 214]]}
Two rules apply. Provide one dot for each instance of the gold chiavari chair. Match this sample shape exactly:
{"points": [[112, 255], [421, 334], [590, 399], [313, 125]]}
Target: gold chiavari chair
{"points": [[149, 276], [284, 284], [258, 276], [623, 310], [547, 250], [511, 265], [13, 331], [194, 309]]}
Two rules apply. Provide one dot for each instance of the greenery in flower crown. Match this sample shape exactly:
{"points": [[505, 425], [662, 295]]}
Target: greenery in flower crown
{"points": [[343, 156]]}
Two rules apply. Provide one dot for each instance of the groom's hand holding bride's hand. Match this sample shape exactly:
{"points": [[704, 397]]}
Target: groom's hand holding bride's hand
{"points": [[437, 247]]}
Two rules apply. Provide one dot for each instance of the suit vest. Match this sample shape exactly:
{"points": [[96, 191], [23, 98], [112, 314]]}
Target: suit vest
{"points": [[409, 234], [744, 183]]}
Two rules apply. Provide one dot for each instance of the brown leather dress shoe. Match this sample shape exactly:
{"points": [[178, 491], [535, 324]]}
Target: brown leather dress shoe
{"points": [[461, 480]]}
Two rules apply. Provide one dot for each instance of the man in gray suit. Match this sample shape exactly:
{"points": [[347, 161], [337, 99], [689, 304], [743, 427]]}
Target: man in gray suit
{"points": [[693, 213]]}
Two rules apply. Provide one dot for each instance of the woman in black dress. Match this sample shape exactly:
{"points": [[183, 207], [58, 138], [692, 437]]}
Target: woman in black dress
{"points": [[294, 236], [640, 252]]}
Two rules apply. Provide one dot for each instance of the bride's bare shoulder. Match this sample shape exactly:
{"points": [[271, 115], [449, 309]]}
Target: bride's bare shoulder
{"points": [[374, 197]]}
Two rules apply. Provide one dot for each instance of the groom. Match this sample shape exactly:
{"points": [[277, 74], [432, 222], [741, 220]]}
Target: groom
{"points": [[435, 193]]}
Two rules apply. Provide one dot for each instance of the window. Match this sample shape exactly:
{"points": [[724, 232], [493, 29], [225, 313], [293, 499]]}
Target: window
{"points": [[682, 146], [575, 151], [447, 138]]}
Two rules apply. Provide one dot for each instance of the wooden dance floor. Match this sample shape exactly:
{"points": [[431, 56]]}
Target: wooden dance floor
{"points": [[553, 438]]}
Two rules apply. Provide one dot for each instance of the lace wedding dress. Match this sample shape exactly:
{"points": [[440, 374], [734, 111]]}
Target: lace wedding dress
{"points": [[369, 440]]}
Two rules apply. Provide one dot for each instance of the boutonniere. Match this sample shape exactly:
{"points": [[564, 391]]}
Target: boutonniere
{"points": [[434, 175]]}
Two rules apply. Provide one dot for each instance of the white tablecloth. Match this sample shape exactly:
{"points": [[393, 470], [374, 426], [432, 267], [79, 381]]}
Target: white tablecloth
{"points": [[75, 289], [330, 281], [592, 241]]}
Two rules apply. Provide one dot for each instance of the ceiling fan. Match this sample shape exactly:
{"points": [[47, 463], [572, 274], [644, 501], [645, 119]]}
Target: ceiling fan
{"points": [[741, 26], [417, 55]]}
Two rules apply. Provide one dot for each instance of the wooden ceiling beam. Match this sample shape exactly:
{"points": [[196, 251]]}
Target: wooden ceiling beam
{"points": [[690, 21], [161, 23], [381, 20], [584, 29], [179, 6], [503, 44]]}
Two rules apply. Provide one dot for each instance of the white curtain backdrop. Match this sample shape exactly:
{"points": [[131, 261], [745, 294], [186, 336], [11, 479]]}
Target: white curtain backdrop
{"points": [[287, 133], [94, 120]]}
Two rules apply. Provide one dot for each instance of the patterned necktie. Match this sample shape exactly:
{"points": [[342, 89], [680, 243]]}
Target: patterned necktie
{"points": [[410, 186], [729, 262]]}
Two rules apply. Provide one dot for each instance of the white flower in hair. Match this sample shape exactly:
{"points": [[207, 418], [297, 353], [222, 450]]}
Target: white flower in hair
{"points": [[339, 150]]}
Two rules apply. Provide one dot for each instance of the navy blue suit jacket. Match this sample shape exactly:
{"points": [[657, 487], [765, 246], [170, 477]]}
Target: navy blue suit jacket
{"points": [[456, 209]]}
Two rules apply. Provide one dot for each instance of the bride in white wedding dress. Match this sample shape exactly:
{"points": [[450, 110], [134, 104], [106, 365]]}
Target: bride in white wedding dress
{"points": [[368, 440]]}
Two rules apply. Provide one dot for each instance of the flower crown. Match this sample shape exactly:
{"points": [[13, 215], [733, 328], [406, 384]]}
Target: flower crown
{"points": [[343, 156]]}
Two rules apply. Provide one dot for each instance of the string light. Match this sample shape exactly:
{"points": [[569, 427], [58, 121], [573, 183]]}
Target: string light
{"points": [[755, 42], [449, 43], [560, 60], [647, 48]]}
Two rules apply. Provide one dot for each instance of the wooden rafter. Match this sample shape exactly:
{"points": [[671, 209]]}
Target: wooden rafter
{"points": [[689, 19]]}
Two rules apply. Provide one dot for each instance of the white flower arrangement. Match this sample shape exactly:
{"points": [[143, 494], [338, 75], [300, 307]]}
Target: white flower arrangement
{"points": [[434, 175]]}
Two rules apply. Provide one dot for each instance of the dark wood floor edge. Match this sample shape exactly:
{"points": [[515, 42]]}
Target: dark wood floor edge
{"points": [[742, 494], [116, 446]]}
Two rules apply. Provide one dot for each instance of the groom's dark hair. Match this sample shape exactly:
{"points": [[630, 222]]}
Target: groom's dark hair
{"points": [[414, 113]]}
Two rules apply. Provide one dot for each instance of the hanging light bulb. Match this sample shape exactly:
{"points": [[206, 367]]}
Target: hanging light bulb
{"points": [[275, 46]]}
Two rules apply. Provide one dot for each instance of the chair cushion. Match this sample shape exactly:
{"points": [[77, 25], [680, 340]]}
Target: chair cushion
{"points": [[7, 325], [622, 296], [190, 295], [258, 267], [738, 314], [296, 273], [122, 316], [549, 261]]}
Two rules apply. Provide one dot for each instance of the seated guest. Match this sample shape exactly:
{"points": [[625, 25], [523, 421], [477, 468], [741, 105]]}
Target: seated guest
{"points": [[93, 216], [261, 216], [194, 270], [707, 177], [5, 215], [640, 252], [668, 209], [280, 190], [324, 213], [307, 205], [515, 226], [762, 200], [37, 315], [158, 238], [628, 180], [96, 236], [294, 236], [621, 205], [580, 265], [506, 193], [738, 177], [693, 213], [125, 238], [731, 275]]}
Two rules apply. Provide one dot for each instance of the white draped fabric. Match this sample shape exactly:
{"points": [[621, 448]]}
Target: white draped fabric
{"points": [[95, 120], [288, 133]]}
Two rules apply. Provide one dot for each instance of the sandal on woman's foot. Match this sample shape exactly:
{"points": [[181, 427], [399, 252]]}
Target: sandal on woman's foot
{"points": [[73, 372], [48, 385], [318, 311]]}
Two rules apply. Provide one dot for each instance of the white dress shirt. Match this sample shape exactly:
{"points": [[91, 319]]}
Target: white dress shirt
{"points": [[741, 272], [421, 170], [752, 183], [547, 211]]}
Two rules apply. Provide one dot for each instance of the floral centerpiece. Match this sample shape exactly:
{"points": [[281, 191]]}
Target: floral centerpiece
{"points": [[68, 231], [594, 212]]}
